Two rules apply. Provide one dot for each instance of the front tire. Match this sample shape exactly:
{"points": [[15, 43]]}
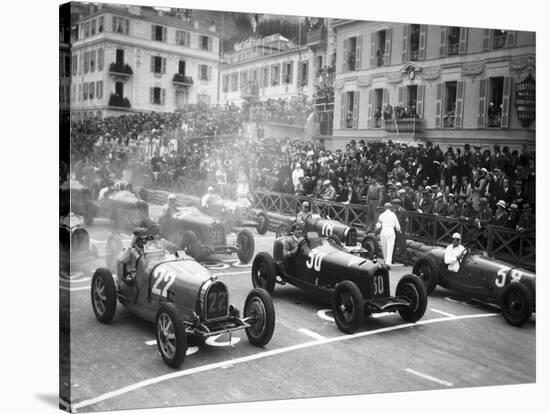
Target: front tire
{"points": [[245, 243], [516, 304], [347, 305], [112, 250], [103, 295], [263, 223], [426, 269], [263, 272], [259, 305], [171, 336], [411, 288]]}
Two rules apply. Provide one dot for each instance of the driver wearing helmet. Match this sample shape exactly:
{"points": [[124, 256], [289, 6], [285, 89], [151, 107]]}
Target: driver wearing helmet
{"points": [[290, 246], [131, 254], [303, 214]]}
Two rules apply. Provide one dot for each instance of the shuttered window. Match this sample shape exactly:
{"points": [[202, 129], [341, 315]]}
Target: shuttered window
{"points": [[158, 33], [157, 96]]}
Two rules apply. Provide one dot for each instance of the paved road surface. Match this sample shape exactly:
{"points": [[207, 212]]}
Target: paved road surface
{"points": [[457, 344]]}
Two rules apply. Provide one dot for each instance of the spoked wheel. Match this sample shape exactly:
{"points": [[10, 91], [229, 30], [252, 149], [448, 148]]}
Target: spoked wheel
{"points": [[245, 244], [347, 305], [112, 250], [263, 272], [171, 336], [411, 288], [370, 244], [517, 304], [426, 269], [259, 306], [103, 295]]}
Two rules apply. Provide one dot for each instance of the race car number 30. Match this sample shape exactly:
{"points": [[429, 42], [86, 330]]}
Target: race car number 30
{"points": [[315, 260], [163, 280]]}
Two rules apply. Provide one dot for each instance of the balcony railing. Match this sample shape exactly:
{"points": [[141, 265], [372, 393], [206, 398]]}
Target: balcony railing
{"points": [[413, 55], [119, 101], [411, 125], [120, 69], [452, 49], [183, 80], [449, 120]]}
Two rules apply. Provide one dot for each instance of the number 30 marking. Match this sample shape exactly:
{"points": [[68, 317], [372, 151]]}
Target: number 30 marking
{"points": [[160, 276], [315, 260]]}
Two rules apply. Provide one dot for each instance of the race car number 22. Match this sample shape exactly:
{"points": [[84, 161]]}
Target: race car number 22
{"points": [[162, 276]]}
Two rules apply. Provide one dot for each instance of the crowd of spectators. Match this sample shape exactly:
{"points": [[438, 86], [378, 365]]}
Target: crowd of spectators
{"points": [[294, 111], [486, 187]]}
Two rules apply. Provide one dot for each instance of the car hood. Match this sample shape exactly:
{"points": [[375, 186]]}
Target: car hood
{"points": [[338, 257], [193, 214], [187, 270]]}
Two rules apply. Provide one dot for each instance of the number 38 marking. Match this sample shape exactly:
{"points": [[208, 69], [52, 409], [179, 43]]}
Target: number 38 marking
{"points": [[315, 260], [160, 276], [500, 281]]}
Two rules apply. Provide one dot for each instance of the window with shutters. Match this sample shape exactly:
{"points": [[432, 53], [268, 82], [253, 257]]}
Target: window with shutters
{"points": [[412, 95], [275, 75], [414, 41], [319, 63], [303, 73], [85, 91], [158, 33], [86, 29], [121, 25], [100, 59], [449, 107], [453, 40], [352, 53], [243, 79], [183, 38], [494, 108], [205, 43], [265, 77], [119, 89], [100, 24], [92, 61], [499, 38], [204, 72], [119, 57], [73, 95], [380, 47], [99, 89], [79, 93], [157, 96], [225, 83], [93, 26], [86, 62], [378, 96], [75, 64], [91, 89], [287, 72], [181, 67], [234, 81], [158, 64], [351, 109]]}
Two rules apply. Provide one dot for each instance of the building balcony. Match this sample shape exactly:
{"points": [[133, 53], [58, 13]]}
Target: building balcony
{"points": [[182, 80], [411, 125], [119, 101], [121, 70]]}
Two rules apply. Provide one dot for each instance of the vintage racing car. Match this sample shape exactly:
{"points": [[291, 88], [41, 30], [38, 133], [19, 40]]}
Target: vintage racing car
{"points": [[123, 208], [82, 202], [201, 235], [232, 214], [482, 278], [182, 298], [75, 247], [356, 286]]}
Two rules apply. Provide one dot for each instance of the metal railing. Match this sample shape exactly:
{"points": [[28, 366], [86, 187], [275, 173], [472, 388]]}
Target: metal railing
{"points": [[498, 242], [411, 125]]}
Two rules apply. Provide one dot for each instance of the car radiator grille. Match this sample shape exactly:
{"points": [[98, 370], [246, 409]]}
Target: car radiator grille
{"points": [[216, 301]]}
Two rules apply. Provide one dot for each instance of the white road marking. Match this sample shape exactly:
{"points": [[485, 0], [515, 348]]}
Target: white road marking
{"points": [[74, 289], [246, 272], [215, 266], [241, 264], [212, 341], [230, 260], [450, 315], [261, 355], [152, 342], [323, 315], [429, 377], [312, 334], [381, 315], [190, 350]]}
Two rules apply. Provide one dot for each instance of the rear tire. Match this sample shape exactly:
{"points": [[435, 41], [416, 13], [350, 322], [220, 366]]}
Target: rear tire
{"points": [[412, 288], [103, 295], [516, 304], [190, 243], [426, 269], [260, 305], [245, 241], [370, 244], [347, 305], [171, 336], [263, 272], [263, 223]]}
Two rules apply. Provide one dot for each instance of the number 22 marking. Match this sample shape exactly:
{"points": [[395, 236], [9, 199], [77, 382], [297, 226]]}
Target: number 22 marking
{"points": [[160, 276]]}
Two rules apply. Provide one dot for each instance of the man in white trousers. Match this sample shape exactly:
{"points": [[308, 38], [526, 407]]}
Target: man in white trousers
{"points": [[388, 225]]}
